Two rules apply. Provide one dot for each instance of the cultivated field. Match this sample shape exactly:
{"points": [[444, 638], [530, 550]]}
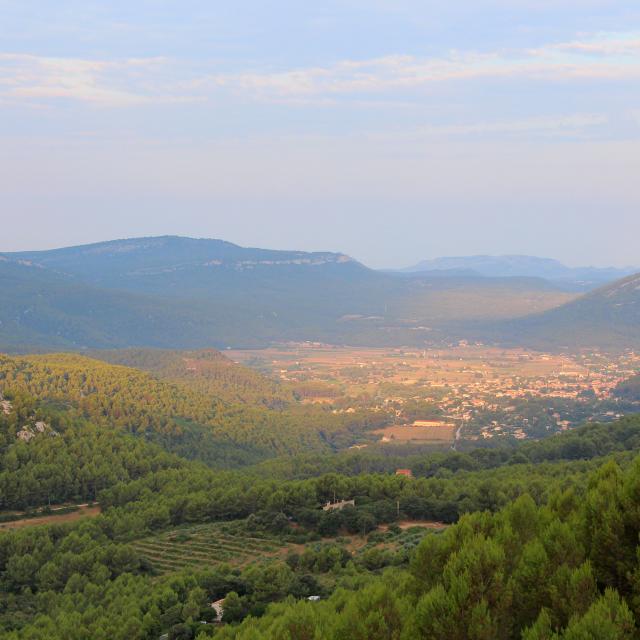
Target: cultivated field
{"points": [[354, 370], [209, 545], [206, 545], [421, 435]]}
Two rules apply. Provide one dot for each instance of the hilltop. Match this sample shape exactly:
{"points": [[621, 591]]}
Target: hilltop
{"points": [[166, 264]]}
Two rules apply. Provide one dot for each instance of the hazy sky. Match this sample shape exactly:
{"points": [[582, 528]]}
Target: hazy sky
{"points": [[391, 130]]}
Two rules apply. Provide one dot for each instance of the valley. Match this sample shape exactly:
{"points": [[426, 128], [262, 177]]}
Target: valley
{"points": [[372, 442], [489, 393], [320, 320]]}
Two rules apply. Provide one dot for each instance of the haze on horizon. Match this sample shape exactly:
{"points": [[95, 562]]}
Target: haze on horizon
{"points": [[391, 131]]}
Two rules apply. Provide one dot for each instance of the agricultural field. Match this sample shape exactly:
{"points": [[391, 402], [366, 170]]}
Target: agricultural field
{"points": [[403, 534], [419, 435], [207, 545], [351, 371], [487, 392]]}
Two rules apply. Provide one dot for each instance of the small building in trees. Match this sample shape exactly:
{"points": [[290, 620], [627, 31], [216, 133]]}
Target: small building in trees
{"points": [[339, 505]]}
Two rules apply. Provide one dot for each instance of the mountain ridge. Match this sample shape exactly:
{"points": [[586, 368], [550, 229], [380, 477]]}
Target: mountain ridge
{"points": [[143, 256], [173, 292], [522, 265]]}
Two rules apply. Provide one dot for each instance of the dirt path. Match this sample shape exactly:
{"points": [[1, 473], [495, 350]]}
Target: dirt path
{"points": [[457, 436], [85, 511]]}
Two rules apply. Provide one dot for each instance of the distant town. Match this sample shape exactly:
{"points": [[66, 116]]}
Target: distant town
{"points": [[466, 391]]}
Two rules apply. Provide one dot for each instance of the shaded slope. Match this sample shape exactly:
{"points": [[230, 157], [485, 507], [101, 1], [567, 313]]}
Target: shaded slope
{"points": [[607, 318], [45, 309]]}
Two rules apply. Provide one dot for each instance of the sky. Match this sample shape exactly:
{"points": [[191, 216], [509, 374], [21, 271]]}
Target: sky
{"points": [[393, 131]]}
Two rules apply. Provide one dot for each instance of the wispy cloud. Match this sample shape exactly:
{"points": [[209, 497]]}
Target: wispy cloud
{"points": [[609, 56], [134, 81], [604, 45], [108, 83]]}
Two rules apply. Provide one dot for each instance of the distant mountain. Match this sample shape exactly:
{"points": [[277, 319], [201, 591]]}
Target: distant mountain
{"points": [[608, 317], [521, 266], [182, 292], [165, 264], [173, 292]]}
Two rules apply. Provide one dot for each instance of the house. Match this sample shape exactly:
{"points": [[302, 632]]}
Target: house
{"points": [[404, 472], [338, 506], [218, 607]]}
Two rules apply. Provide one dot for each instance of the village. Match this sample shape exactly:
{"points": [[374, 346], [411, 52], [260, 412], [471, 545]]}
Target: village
{"points": [[465, 391]]}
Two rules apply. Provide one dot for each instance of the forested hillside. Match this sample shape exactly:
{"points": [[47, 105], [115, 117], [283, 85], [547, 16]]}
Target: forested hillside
{"points": [[545, 543], [44, 309], [69, 459], [534, 541], [564, 569], [228, 428], [207, 371]]}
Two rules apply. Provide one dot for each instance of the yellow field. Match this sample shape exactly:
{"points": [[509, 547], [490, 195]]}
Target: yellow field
{"points": [[354, 370], [403, 434]]}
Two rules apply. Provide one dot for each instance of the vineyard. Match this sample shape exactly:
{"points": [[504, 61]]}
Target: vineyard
{"points": [[206, 545], [209, 545]]}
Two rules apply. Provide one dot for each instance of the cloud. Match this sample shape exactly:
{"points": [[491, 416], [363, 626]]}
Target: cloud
{"points": [[605, 45], [133, 81], [611, 56], [107, 83]]}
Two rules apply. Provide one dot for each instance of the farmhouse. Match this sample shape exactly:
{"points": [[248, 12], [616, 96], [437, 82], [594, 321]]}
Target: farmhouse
{"points": [[337, 506], [404, 472]]}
